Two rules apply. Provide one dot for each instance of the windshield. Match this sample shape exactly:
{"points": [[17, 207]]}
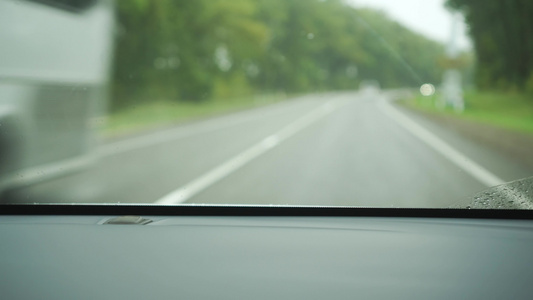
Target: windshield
{"points": [[266, 102]]}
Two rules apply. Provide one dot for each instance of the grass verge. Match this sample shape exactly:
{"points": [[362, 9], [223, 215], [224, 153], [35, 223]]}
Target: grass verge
{"points": [[151, 115], [512, 111]]}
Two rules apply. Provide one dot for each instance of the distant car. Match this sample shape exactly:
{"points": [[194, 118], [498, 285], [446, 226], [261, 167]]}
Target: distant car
{"points": [[369, 87]]}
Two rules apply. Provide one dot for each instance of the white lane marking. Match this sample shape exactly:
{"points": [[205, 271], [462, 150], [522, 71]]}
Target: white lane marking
{"points": [[192, 188], [182, 132], [47, 171], [161, 137], [481, 174]]}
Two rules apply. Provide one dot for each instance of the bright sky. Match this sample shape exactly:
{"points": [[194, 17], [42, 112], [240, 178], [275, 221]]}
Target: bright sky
{"points": [[428, 17]]}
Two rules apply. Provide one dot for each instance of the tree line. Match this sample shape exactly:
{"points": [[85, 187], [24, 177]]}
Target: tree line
{"points": [[198, 50], [502, 32]]}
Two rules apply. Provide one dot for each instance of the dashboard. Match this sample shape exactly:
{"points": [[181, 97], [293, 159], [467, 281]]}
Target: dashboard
{"points": [[71, 252]]}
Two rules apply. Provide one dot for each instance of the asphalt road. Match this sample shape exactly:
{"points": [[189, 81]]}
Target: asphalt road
{"points": [[356, 149]]}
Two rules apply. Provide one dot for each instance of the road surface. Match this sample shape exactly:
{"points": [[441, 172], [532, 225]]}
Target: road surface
{"points": [[355, 149]]}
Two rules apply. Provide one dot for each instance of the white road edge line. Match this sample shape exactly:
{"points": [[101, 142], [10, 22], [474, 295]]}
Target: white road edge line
{"points": [[481, 174], [469, 166], [174, 134], [47, 171], [194, 187]]}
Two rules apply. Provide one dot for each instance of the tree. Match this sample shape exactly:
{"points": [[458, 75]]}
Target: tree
{"points": [[502, 32], [183, 50]]}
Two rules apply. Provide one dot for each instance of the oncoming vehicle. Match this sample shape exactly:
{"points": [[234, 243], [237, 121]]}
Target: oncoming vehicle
{"points": [[369, 84], [369, 87], [54, 70]]}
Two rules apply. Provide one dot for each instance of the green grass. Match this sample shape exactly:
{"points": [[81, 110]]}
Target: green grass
{"points": [[506, 110], [151, 115]]}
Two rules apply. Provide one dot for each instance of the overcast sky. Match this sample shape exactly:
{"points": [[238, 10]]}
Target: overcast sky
{"points": [[428, 17]]}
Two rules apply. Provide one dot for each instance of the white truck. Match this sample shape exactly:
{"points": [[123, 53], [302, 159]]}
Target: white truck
{"points": [[55, 58]]}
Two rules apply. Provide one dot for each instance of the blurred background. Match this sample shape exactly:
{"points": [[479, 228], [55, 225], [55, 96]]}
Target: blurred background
{"points": [[139, 101]]}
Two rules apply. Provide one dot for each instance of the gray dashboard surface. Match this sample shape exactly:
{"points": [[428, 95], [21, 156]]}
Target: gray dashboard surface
{"points": [[77, 257]]}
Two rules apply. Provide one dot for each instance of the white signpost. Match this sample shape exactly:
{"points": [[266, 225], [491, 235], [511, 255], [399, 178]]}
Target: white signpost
{"points": [[452, 91]]}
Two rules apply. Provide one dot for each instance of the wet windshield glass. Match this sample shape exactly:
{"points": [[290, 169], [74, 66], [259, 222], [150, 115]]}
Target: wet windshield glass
{"points": [[302, 102]]}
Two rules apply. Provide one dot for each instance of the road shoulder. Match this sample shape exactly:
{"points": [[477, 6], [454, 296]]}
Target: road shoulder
{"points": [[516, 146]]}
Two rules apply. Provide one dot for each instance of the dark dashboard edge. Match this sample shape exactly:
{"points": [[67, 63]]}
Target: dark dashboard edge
{"points": [[240, 210]]}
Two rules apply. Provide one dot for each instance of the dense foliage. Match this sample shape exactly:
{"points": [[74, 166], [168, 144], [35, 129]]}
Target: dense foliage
{"points": [[203, 49], [502, 31]]}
